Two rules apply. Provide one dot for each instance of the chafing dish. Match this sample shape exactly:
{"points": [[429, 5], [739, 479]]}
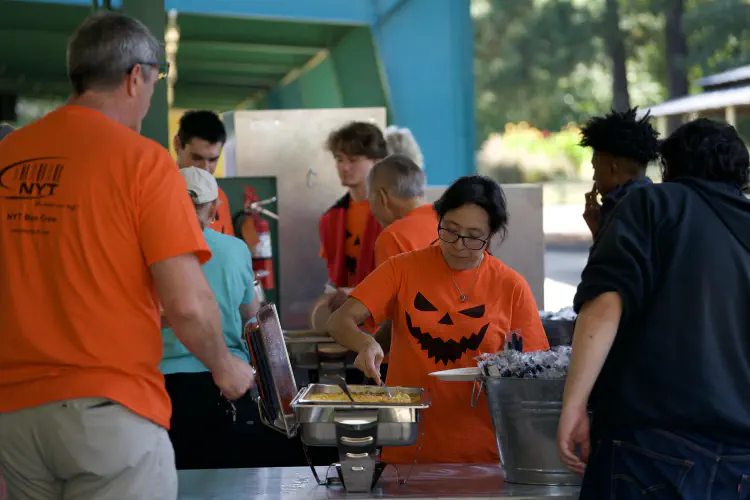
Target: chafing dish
{"points": [[397, 423], [356, 429]]}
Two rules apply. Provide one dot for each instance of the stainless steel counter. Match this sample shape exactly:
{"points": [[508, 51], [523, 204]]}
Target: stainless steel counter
{"points": [[444, 482]]}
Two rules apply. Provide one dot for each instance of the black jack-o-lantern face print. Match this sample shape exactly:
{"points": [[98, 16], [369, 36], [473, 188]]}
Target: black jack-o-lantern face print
{"points": [[445, 351], [351, 262]]}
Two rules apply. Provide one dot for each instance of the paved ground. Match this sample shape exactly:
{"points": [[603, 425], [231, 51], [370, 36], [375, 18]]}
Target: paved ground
{"points": [[568, 240]]}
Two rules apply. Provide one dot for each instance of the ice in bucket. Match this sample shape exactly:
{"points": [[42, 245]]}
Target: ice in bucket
{"points": [[524, 395]]}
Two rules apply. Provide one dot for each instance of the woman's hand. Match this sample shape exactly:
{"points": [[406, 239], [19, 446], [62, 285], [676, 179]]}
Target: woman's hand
{"points": [[573, 431], [369, 360]]}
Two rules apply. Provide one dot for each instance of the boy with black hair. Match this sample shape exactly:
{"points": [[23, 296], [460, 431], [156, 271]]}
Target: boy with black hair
{"points": [[198, 143], [623, 147], [661, 354]]}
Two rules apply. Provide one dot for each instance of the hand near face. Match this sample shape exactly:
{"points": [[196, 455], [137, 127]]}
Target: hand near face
{"points": [[592, 211]]}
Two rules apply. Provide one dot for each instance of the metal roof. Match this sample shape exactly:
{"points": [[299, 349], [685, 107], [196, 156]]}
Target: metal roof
{"points": [[222, 62], [717, 99], [733, 75]]}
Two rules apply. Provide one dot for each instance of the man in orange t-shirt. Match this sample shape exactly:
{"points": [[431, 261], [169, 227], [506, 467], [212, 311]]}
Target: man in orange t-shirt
{"points": [[94, 223], [396, 192], [198, 143]]}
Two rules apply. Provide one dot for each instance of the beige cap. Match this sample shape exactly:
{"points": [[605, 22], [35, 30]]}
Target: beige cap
{"points": [[201, 185]]}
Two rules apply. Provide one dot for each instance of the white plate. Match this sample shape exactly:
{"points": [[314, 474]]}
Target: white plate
{"points": [[458, 374]]}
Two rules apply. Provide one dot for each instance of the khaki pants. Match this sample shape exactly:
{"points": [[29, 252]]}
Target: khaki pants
{"points": [[81, 449]]}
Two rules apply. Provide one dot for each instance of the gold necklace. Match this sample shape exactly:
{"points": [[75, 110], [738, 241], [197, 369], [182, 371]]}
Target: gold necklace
{"points": [[463, 297]]}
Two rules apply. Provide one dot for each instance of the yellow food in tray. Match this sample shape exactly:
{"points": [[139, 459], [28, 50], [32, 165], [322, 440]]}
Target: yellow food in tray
{"points": [[366, 397]]}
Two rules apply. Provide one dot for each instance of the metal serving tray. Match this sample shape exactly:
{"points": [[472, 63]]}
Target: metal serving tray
{"points": [[397, 423], [314, 389]]}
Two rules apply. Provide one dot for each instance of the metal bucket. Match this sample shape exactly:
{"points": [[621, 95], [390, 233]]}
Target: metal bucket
{"points": [[525, 414]]}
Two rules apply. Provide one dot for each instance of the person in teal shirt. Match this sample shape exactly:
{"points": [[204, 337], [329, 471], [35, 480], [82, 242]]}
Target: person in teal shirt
{"points": [[204, 424]]}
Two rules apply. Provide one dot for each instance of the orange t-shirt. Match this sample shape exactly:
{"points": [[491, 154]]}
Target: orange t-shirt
{"points": [[433, 330], [417, 230], [356, 222], [86, 206], [223, 222]]}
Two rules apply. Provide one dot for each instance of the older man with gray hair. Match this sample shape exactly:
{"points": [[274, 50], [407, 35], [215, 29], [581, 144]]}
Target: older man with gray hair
{"points": [[396, 191], [98, 231], [396, 187]]}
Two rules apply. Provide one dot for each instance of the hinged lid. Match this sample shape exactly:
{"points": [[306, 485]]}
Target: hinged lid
{"points": [[275, 377]]}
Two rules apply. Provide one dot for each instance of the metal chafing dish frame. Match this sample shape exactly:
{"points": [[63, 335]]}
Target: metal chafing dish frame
{"points": [[356, 429], [398, 423]]}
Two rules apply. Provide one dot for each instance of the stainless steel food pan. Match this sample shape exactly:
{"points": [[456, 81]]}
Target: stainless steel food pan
{"points": [[397, 423]]}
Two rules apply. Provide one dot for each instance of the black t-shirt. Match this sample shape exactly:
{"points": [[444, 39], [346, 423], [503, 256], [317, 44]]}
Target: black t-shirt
{"points": [[678, 253]]}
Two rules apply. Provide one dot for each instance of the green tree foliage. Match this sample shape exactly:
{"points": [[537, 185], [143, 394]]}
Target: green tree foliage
{"points": [[718, 35], [528, 54], [546, 62]]}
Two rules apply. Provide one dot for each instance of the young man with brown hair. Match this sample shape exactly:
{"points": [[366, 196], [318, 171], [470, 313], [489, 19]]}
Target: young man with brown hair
{"points": [[348, 230]]}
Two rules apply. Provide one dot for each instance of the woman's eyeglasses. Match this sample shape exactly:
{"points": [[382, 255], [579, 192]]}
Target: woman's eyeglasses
{"points": [[469, 242]]}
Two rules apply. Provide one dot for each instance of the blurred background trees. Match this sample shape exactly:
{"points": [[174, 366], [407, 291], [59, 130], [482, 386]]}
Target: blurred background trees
{"points": [[542, 65]]}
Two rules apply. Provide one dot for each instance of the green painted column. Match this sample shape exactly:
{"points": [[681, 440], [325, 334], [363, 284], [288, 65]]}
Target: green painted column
{"points": [[152, 14]]}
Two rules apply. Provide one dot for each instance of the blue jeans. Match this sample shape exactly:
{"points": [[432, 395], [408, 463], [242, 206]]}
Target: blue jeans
{"points": [[662, 465]]}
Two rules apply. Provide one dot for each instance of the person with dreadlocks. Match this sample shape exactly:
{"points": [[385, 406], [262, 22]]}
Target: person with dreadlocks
{"points": [[661, 351], [623, 147]]}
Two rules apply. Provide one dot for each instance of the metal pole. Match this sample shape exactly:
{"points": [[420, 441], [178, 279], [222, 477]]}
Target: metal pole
{"points": [[730, 115]]}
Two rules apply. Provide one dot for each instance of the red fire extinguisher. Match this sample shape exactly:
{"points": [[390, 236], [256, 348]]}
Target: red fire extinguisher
{"points": [[262, 251], [263, 254]]}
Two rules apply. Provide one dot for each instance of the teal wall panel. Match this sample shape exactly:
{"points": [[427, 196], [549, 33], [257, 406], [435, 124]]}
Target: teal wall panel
{"points": [[156, 124], [426, 48], [356, 65], [290, 96], [320, 87], [274, 98], [263, 103]]}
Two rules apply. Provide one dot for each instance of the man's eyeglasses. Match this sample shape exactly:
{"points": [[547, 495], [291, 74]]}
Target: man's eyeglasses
{"points": [[161, 67], [469, 242]]}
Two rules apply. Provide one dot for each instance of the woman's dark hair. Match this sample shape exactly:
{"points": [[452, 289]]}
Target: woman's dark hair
{"points": [[476, 190], [708, 150]]}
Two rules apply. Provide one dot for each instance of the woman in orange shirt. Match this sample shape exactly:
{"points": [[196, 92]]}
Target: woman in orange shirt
{"points": [[448, 304]]}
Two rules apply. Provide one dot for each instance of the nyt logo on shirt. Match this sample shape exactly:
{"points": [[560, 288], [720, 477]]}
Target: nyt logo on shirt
{"points": [[30, 179]]}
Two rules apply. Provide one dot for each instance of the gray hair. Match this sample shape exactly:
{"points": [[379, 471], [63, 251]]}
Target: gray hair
{"points": [[106, 47], [400, 140], [399, 176]]}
